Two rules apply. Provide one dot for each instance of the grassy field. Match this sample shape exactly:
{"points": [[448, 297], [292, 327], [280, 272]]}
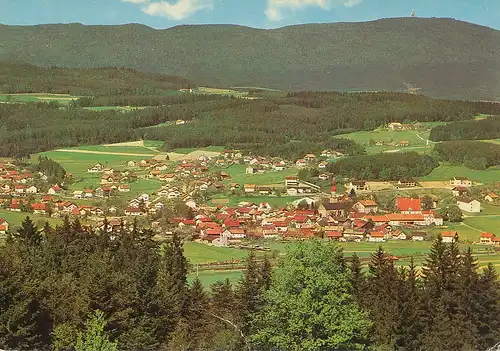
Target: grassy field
{"points": [[77, 163], [208, 278], [15, 218], [218, 91], [122, 149], [364, 137], [116, 108], [38, 97], [238, 175], [446, 172], [200, 253]]}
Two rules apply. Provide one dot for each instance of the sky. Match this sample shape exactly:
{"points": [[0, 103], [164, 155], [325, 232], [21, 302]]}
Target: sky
{"points": [[253, 13]]}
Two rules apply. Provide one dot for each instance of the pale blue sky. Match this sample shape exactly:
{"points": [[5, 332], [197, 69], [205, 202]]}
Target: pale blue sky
{"points": [[254, 13]]}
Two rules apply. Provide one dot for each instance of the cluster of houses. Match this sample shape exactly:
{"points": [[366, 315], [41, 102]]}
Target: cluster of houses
{"points": [[18, 182], [311, 159], [336, 218]]}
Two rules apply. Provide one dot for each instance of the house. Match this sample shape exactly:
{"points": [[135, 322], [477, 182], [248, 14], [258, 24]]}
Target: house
{"points": [[301, 163], [234, 233], [487, 238], [366, 206], [19, 189], [333, 235], [131, 164], [418, 236], [460, 191], [407, 183], [54, 190], [408, 205], [460, 182], [88, 193], [376, 237], [168, 177], [333, 208], [133, 211], [395, 126], [449, 237], [124, 188], [77, 194], [491, 197], [264, 190], [403, 143], [250, 170], [291, 181], [357, 185], [398, 235], [249, 188], [39, 208], [323, 165], [32, 190], [405, 219], [97, 168], [473, 206]]}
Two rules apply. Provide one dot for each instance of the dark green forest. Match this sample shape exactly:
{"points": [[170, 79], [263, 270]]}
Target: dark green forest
{"points": [[66, 287], [287, 126], [472, 154], [384, 166], [24, 78], [488, 128]]}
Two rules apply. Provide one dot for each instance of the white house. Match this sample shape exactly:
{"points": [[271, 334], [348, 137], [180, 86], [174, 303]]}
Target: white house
{"points": [[97, 168], [77, 194], [473, 206], [32, 190], [234, 233], [449, 237], [460, 182]]}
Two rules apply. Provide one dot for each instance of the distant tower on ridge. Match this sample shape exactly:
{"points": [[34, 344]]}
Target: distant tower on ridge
{"points": [[412, 12]]}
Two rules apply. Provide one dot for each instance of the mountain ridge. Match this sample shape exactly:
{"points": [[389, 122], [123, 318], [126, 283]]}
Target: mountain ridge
{"points": [[439, 57]]}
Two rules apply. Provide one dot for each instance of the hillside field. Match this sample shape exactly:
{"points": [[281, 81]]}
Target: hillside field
{"points": [[38, 97]]}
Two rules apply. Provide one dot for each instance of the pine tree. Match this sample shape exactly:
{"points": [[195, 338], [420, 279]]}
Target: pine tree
{"points": [[93, 338], [381, 298], [266, 273], [28, 233], [196, 314], [357, 278], [249, 292], [488, 308]]}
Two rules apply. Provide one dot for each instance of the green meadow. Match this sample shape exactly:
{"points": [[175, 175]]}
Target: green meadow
{"points": [[38, 97], [446, 172]]}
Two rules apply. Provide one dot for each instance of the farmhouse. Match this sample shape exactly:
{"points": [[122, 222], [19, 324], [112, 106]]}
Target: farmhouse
{"points": [[377, 237], [407, 183], [54, 190], [97, 168], [19, 189], [460, 182], [124, 188], [77, 194], [395, 126], [249, 188], [133, 211], [39, 208], [366, 206], [473, 206], [449, 237], [487, 238], [490, 197], [460, 191], [418, 236], [291, 181], [357, 185]]}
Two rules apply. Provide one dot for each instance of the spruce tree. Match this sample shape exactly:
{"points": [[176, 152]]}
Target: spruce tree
{"points": [[249, 292], [28, 234], [488, 308], [357, 278], [266, 273]]}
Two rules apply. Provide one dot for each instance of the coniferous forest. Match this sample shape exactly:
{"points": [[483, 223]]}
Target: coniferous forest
{"points": [[289, 125], [74, 288]]}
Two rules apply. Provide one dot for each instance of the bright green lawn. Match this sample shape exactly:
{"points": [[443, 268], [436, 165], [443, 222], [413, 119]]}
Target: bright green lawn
{"points": [[122, 149], [77, 163], [201, 253], [446, 172], [208, 278], [364, 137], [15, 218], [238, 175], [484, 224]]}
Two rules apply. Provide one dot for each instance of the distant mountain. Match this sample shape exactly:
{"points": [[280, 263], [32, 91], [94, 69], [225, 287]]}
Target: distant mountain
{"points": [[438, 57]]}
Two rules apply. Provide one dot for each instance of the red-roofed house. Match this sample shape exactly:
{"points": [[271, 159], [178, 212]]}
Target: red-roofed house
{"points": [[487, 238], [333, 235], [39, 208], [449, 237], [376, 237], [408, 205], [230, 223]]}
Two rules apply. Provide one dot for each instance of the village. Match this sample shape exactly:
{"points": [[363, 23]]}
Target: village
{"points": [[195, 189]]}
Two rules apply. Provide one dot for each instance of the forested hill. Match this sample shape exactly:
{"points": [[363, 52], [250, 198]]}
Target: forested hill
{"points": [[24, 78], [443, 57]]}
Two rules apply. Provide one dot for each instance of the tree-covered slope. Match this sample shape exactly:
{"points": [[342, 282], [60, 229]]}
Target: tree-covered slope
{"points": [[443, 57], [24, 78]]}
